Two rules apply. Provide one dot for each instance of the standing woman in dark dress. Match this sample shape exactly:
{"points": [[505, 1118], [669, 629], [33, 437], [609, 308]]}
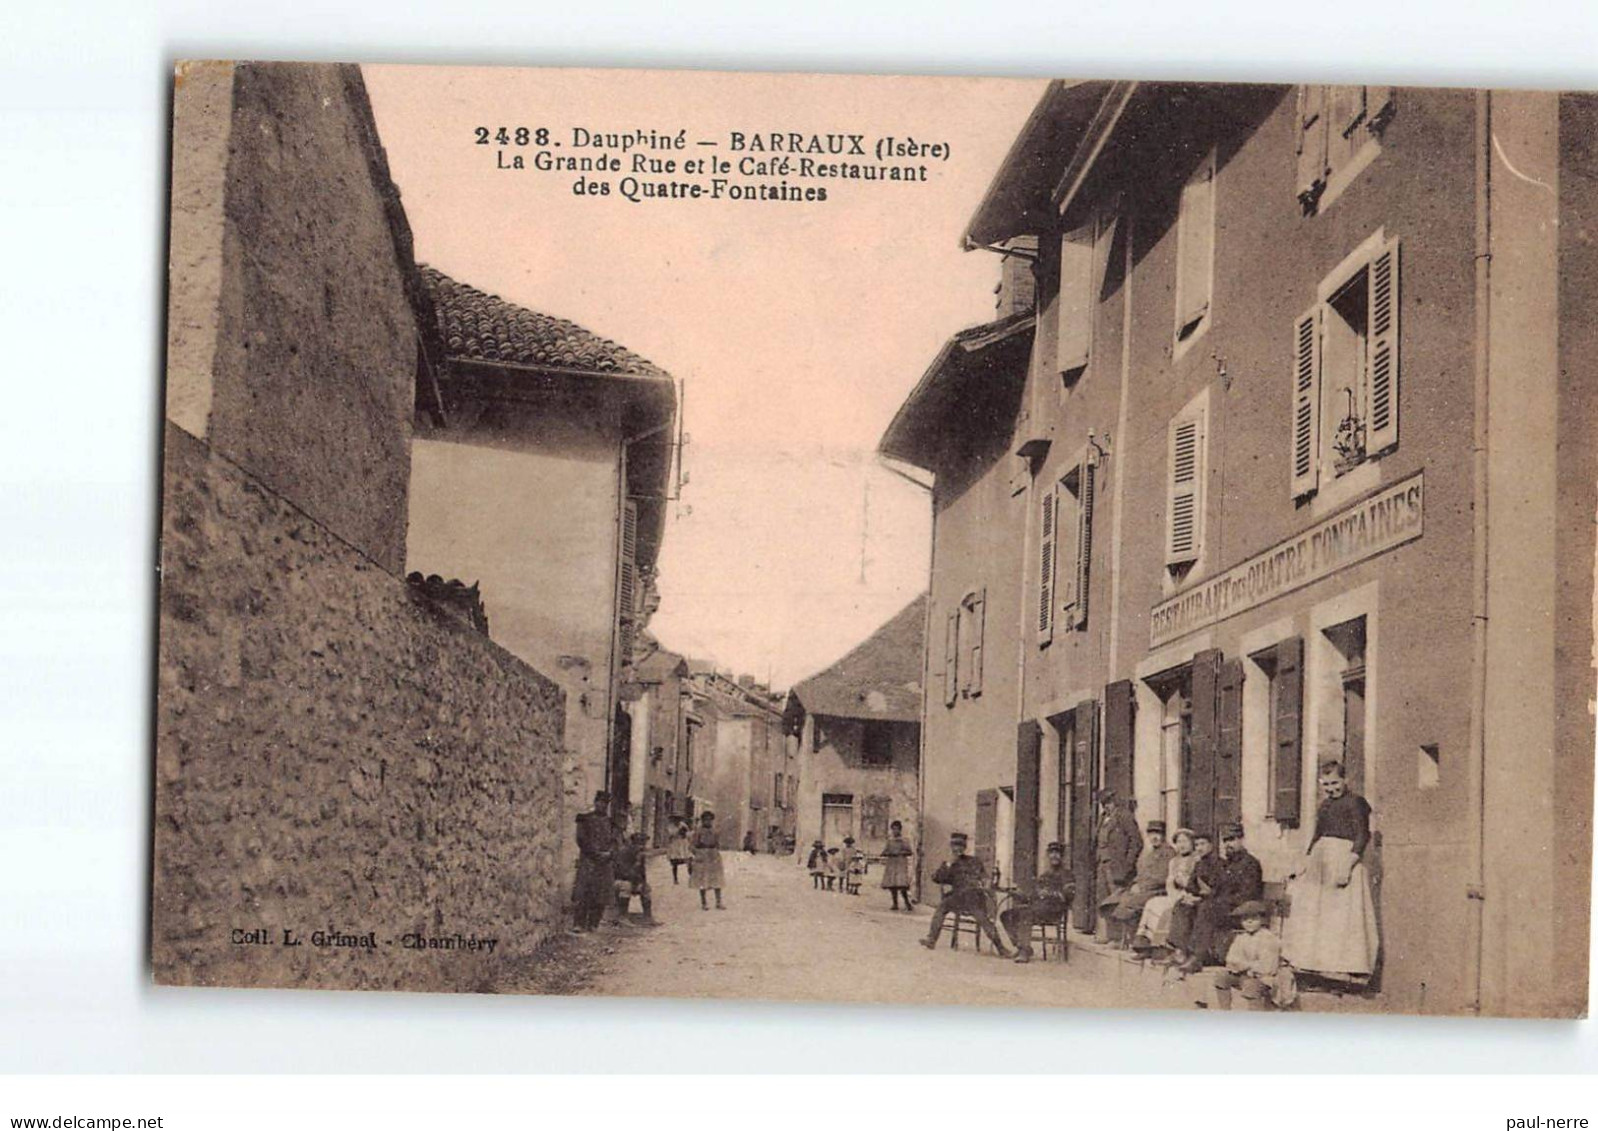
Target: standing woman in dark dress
{"points": [[707, 860], [1331, 928]]}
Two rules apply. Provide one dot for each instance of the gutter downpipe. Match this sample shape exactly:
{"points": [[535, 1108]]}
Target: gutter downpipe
{"points": [[1476, 755]]}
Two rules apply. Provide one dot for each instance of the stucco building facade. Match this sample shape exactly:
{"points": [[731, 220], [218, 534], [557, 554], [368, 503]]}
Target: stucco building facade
{"points": [[1288, 459]]}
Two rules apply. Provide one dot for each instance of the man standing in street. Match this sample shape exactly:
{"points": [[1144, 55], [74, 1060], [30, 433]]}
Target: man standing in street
{"points": [[968, 894], [596, 881], [1049, 902], [1238, 878], [1119, 844]]}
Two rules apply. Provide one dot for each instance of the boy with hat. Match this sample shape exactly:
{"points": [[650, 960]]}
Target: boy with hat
{"points": [[968, 895], [1253, 961], [1049, 903]]}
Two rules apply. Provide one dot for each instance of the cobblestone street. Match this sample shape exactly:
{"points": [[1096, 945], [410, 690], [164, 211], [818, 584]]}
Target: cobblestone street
{"points": [[781, 939]]}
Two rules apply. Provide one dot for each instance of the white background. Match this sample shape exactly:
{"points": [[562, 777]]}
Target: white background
{"points": [[83, 102]]}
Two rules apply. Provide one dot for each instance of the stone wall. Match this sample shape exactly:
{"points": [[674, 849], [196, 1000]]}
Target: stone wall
{"points": [[335, 752]]}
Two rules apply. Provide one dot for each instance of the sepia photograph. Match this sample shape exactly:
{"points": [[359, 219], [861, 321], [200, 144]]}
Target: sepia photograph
{"points": [[845, 538]]}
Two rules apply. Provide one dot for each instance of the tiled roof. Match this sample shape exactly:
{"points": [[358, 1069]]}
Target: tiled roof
{"points": [[484, 327], [880, 679]]}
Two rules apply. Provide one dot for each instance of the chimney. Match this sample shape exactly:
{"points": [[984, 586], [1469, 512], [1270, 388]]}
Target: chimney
{"points": [[1017, 289]]}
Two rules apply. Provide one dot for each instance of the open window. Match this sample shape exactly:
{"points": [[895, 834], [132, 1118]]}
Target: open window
{"points": [[1186, 466], [1195, 251], [1339, 133]]}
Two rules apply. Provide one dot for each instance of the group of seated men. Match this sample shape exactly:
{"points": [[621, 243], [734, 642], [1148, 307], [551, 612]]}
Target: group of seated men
{"points": [[1203, 920]]}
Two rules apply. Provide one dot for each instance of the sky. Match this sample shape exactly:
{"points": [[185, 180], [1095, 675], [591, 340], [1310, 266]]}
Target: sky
{"points": [[796, 329]]}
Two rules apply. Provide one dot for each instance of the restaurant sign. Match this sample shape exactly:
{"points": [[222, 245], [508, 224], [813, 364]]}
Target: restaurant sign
{"points": [[1387, 519]]}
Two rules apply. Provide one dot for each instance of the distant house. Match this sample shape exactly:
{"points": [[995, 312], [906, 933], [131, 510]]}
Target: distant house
{"points": [[732, 760], [855, 729], [658, 719], [540, 469]]}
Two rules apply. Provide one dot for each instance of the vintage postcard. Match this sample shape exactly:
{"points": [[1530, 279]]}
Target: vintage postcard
{"points": [[878, 539]]}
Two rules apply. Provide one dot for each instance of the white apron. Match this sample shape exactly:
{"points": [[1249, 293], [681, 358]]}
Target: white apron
{"points": [[1331, 929]]}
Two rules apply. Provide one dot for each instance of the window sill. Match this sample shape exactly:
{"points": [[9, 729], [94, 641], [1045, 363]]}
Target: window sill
{"points": [[1346, 488]]}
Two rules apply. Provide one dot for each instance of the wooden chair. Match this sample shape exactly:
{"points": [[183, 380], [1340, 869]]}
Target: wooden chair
{"points": [[1058, 940], [964, 922]]}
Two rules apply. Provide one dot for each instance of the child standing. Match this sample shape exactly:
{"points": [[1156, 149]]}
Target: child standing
{"points": [[679, 850], [896, 865], [707, 861], [817, 864]]}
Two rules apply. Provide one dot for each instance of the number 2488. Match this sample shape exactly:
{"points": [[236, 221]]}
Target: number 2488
{"points": [[521, 135]]}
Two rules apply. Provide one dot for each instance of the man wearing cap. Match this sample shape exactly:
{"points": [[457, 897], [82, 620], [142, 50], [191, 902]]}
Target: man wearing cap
{"points": [[1253, 961], [1153, 870], [968, 894], [1049, 902], [596, 881], [1237, 878], [1119, 843]]}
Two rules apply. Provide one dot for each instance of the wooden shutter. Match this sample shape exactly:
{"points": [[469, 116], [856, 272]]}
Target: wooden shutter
{"points": [[1305, 457], [1084, 543], [987, 830], [1084, 825], [1047, 546], [951, 662], [1067, 529], [627, 586], [1118, 738], [1195, 247], [1345, 114], [1229, 746], [1311, 144], [1028, 758], [1288, 739], [978, 610], [1199, 774], [1185, 489], [1381, 425], [1378, 107], [1075, 301]]}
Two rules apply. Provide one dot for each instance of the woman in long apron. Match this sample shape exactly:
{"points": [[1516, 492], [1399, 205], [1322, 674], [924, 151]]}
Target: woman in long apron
{"points": [[1331, 922], [707, 860]]}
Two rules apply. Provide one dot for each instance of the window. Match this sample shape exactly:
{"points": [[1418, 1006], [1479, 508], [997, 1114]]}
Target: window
{"points": [[1075, 303], [973, 615], [876, 743], [1184, 507], [1345, 370], [951, 658], [1339, 133], [1175, 736], [690, 738], [1282, 666], [627, 582], [1195, 250], [776, 791], [1074, 526], [874, 818]]}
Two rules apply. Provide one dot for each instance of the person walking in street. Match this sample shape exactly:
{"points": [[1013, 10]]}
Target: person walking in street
{"points": [[1049, 902], [1332, 929], [896, 855], [968, 895], [707, 861], [679, 850], [596, 846]]}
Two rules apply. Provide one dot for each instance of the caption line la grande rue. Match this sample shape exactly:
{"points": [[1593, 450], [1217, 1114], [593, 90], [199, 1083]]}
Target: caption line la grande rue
{"points": [[744, 165]]}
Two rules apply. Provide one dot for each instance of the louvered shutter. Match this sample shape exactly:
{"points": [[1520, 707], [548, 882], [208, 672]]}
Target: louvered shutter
{"points": [[627, 587], [987, 830], [1084, 543], [1028, 756], [1047, 545], [1067, 529], [1199, 774], [1229, 746], [1185, 494], [1287, 750], [1311, 144], [1305, 456], [1084, 823], [1381, 426], [1195, 246], [979, 616], [1075, 301], [951, 661]]}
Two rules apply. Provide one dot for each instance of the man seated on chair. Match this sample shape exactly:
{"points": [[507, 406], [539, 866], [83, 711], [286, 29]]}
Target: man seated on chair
{"points": [[968, 894], [1050, 902]]}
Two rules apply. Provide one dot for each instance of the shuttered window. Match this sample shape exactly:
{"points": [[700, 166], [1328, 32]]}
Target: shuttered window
{"points": [[1229, 744], [1195, 249], [1073, 522], [1048, 547], [1084, 781], [951, 661], [1199, 775], [1028, 772], [1185, 487], [975, 611], [1287, 709], [1311, 145], [1345, 372], [1075, 303], [627, 585], [1335, 124]]}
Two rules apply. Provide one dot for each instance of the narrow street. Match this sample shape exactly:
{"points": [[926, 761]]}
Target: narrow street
{"points": [[781, 939]]}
